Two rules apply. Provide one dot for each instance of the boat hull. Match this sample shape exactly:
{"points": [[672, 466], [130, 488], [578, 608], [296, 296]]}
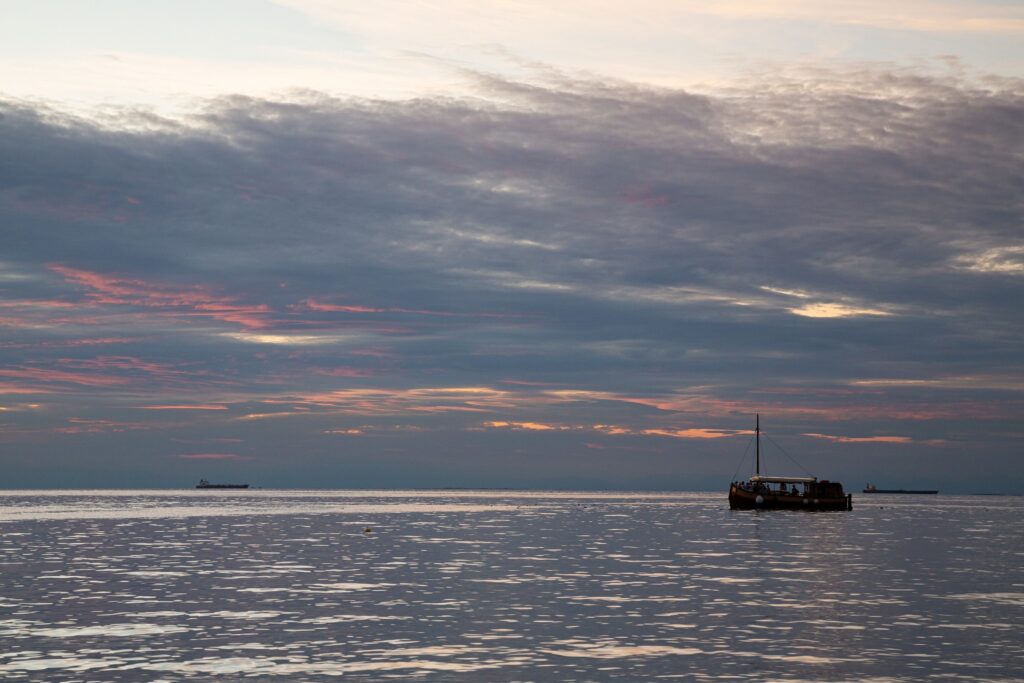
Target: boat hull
{"points": [[740, 499]]}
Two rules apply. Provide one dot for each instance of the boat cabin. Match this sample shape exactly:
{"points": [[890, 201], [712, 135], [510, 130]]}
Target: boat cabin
{"points": [[795, 493]]}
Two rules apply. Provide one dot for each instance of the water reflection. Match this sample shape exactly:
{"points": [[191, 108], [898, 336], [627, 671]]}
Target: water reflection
{"points": [[504, 586]]}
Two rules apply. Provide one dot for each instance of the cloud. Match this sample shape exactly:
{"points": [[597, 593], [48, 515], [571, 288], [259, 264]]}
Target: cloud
{"points": [[527, 426], [53, 376], [193, 300], [861, 439], [284, 339], [213, 456], [1004, 260], [79, 425], [615, 430], [184, 407], [825, 246], [834, 310], [916, 15], [695, 433]]}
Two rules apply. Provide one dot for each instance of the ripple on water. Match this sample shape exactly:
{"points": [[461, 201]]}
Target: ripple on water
{"points": [[503, 586]]}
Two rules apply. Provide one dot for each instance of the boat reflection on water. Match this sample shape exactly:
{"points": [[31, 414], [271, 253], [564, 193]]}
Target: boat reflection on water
{"points": [[786, 493]]}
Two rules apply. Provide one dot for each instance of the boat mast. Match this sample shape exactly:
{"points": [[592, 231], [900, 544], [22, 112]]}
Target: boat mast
{"points": [[758, 431]]}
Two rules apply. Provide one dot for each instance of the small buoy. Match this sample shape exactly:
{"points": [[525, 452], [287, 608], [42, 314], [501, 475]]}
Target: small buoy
{"points": [[759, 500], [367, 530]]}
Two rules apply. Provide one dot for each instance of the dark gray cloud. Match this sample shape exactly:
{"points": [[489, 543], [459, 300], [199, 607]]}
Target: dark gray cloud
{"points": [[840, 249]]}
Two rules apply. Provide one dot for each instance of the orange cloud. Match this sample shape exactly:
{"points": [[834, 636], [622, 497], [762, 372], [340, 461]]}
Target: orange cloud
{"points": [[361, 401], [612, 430], [695, 433], [615, 430], [11, 388], [529, 426], [213, 456], [861, 439]]}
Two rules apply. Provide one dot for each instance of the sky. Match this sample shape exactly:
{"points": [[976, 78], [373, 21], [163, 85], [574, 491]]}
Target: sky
{"points": [[311, 243]]}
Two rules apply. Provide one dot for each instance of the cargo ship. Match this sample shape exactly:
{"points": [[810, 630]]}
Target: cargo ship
{"points": [[786, 493], [871, 488], [203, 484]]}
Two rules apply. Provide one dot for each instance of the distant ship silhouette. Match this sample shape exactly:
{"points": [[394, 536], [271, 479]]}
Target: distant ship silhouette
{"points": [[204, 484], [871, 488]]}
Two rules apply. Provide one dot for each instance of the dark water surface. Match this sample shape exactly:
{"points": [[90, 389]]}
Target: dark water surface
{"points": [[506, 586]]}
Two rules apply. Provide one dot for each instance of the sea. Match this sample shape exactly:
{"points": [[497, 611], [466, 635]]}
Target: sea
{"points": [[276, 585]]}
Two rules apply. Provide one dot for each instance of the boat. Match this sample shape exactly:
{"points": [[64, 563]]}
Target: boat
{"points": [[203, 484], [871, 488], [761, 492]]}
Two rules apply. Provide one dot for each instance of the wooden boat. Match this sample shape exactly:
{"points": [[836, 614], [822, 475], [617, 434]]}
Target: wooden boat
{"points": [[786, 493]]}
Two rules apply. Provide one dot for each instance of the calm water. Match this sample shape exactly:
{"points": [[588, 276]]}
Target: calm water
{"points": [[506, 586]]}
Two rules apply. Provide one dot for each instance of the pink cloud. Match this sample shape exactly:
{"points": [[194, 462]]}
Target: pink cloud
{"points": [[78, 425], [314, 305], [103, 371], [46, 375], [112, 289], [213, 456], [192, 300], [117, 363], [253, 317], [614, 430], [319, 306], [212, 406], [37, 303], [99, 340], [345, 372]]}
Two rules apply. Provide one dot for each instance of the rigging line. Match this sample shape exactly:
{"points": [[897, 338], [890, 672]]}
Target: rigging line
{"points": [[786, 453], [742, 458]]}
